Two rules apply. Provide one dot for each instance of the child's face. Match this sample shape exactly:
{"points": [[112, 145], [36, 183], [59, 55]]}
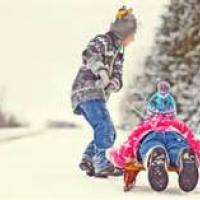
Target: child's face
{"points": [[129, 39]]}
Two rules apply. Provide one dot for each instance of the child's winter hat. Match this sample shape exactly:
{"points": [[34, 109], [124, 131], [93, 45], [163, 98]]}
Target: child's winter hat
{"points": [[163, 87], [124, 24]]}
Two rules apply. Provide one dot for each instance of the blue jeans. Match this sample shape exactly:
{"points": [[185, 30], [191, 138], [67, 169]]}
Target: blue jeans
{"points": [[171, 141], [97, 115]]}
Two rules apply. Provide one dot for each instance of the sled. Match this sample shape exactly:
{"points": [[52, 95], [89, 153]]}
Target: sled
{"points": [[131, 171]]}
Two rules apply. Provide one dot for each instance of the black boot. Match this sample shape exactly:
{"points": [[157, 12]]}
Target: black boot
{"points": [[157, 173], [87, 166], [110, 171], [188, 173]]}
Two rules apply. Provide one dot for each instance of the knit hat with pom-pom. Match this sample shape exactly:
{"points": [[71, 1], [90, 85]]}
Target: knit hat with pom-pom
{"points": [[124, 24]]}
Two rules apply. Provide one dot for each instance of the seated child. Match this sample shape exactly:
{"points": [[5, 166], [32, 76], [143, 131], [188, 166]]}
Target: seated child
{"points": [[160, 142]]}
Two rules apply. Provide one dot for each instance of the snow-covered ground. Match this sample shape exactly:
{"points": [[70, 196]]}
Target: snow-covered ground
{"points": [[10, 134], [45, 168]]}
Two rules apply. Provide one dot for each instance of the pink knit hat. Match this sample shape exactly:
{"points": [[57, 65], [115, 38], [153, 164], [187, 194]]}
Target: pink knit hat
{"points": [[163, 87]]}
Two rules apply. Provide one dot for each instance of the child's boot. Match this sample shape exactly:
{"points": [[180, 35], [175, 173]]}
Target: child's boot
{"points": [[108, 171], [103, 167], [157, 172], [188, 172], [104, 172], [87, 166]]}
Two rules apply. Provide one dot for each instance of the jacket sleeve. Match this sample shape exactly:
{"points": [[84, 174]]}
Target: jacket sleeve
{"points": [[94, 57], [173, 106], [151, 105], [116, 82], [118, 72]]}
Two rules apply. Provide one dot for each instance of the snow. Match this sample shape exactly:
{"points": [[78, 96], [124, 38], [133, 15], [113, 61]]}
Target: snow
{"points": [[41, 44], [45, 168], [9, 134]]}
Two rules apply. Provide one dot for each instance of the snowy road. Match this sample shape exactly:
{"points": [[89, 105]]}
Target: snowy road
{"points": [[45, 168]]}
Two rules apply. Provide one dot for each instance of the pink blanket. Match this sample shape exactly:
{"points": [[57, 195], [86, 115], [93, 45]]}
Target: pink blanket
{"points": [[129, 149]]}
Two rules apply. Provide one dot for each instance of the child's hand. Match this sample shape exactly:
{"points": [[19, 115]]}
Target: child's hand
{"points": [[110, 87], [113, 86]]}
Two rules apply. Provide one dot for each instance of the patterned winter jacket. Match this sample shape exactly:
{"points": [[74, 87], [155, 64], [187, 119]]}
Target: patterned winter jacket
{"points": [[161, 105], [103, 53]]}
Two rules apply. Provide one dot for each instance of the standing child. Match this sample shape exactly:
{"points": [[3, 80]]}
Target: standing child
{"points": [[99, 76]]}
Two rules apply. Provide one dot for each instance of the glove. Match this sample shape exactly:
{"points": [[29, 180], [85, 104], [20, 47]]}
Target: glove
{"points": [[113, 86]]}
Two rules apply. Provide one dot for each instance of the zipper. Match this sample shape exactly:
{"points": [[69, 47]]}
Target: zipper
{"points": [[113, 61]]}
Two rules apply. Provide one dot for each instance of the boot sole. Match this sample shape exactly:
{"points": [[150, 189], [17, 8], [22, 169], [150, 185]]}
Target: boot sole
{"points": [[157, 173], [189, 174], [104, 173]]}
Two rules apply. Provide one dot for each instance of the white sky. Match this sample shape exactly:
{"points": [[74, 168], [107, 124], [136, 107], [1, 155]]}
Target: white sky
{"points": [[40, 50]]}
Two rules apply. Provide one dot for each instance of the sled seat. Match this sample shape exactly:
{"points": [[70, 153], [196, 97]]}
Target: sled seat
{"points": [[139, 167]]}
